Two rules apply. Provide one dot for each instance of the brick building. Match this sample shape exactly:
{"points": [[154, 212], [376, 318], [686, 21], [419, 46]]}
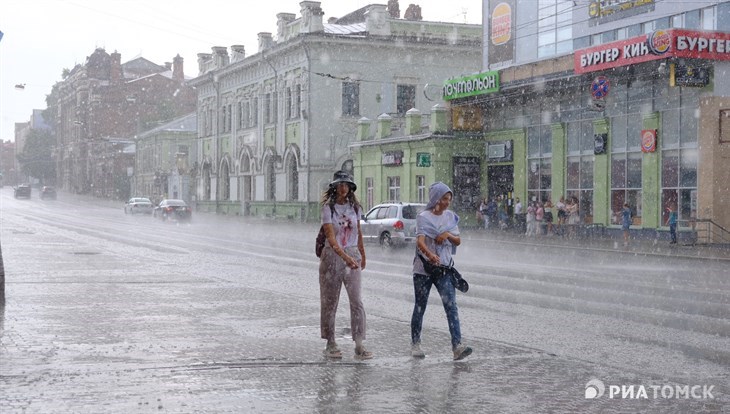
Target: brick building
{"points": [[101, 106]]}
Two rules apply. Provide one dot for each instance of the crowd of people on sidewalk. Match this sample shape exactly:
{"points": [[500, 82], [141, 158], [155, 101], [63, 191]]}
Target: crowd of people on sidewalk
{"points": [[537, 218]]}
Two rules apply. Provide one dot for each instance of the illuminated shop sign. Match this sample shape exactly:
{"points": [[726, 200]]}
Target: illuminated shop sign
{"points": [[487, 82], [609, 10], [662, 44]]}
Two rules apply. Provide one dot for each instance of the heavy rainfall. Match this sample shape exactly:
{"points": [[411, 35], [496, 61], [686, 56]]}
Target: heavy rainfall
{"points": [[159, 220]]}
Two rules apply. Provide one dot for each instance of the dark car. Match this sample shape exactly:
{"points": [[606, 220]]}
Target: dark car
{"points": [[22, 191], [173, 210], [48, 193]]}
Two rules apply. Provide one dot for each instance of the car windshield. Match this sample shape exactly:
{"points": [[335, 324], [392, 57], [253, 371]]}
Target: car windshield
{"points": [[174, 203]]}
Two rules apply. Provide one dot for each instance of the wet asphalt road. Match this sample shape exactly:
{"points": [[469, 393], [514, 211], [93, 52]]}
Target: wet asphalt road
{"points": [[112, 313]]}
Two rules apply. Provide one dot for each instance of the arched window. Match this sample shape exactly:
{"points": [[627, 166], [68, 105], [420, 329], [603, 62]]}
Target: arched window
{"points": [[225, 182], [292, 178]]}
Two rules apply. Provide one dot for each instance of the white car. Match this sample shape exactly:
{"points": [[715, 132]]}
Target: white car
{"points": [[391, 224], [137, 205]]}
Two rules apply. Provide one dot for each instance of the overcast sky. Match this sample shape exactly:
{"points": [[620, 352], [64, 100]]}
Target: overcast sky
{"points": [[43, 37]]}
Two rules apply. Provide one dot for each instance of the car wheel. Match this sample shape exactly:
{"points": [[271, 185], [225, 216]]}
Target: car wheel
{"points": [[385, 241]]}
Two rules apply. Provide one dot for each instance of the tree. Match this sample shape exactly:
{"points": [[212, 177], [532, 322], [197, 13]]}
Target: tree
{"points": [[36, 159]]}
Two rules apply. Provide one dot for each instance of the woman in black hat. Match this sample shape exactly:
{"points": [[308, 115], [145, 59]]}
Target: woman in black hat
{"points": [[341, 262]]}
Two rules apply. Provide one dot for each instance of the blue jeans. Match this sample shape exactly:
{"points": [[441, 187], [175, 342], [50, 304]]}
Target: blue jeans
{"points": [[673, 232], [422, 288]]}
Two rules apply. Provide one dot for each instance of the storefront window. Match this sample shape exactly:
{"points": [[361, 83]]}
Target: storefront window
{"points": [[579, 182], [680, 157], [626, 166], [539, 150]]}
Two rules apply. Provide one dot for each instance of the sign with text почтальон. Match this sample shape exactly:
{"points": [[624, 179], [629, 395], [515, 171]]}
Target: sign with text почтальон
{"points": [[487, 82]]}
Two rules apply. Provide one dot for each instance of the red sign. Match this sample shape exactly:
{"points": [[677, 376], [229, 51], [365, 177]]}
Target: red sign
{"points": [[661, 44], [648, 140]]}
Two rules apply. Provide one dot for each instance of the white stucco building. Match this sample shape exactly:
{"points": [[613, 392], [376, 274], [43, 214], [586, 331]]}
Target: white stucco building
{"points": [[275, 125]]}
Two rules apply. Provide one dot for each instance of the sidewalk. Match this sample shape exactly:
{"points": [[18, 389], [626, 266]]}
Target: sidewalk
{"points": [[606, 244]]}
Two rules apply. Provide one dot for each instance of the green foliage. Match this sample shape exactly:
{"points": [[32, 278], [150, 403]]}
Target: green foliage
{"points": [[36, 158]]}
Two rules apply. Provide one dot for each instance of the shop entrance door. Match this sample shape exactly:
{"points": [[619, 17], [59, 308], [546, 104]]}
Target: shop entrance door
{"points": [[500, 182]]}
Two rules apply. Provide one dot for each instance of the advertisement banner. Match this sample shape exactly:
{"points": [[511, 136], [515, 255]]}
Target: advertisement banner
{"points": [[661, 44], [501, 37]]}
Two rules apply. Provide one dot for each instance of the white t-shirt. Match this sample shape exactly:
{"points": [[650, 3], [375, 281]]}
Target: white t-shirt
{"points": [[344, 220]]}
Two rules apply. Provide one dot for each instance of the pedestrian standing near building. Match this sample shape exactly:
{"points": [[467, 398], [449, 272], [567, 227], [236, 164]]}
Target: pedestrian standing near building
{"points": [[548, 215], [539, 216], [482, 216], [530, 220], [519, 216], [672, 223], [491, 213], [562, 215], [573, 216], [341, 263], [626, 222], [437, 235]]}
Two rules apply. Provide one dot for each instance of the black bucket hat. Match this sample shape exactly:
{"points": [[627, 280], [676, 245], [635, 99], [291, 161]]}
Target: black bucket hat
{"points": [[343, 177]]}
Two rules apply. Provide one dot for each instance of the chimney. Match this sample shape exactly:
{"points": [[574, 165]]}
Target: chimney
{"points": [[377, 21], [282, 21], [220, 56], [413, 122], [265, 41], [203, 59], [238, 53], [363, 129], [177, 69], [115, 69], [439, 119], [383, 126], [311, 17]]}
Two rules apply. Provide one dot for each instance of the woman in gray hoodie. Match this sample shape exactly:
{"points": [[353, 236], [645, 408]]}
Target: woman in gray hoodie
{"points": [[437, 235]]}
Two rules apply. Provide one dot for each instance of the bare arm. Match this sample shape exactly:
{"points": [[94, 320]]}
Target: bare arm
{"points": [[455, 240], [431, 256], [360, 246]]}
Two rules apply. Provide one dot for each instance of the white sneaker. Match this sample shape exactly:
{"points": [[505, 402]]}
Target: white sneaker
{"points": [[416, 351], [461, 352]]}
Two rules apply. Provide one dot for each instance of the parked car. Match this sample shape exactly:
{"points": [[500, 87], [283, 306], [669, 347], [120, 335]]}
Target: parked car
{"points": [[391, 224], [22, 191], [48, 192], [137, 205], [173, 210]]}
